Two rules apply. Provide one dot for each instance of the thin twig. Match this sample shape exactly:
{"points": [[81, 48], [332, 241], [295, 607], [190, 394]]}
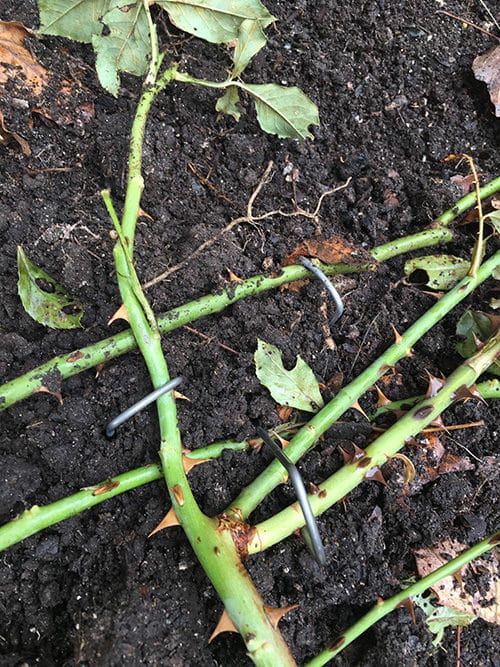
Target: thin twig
{"points": [[210, 340], [249, 217], [472, 25], [492, 16]]}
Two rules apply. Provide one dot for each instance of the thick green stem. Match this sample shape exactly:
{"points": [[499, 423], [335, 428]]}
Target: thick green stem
{"points": [[274, 474], [64, 366], [337, 486], [384, 607], [211, 539]]}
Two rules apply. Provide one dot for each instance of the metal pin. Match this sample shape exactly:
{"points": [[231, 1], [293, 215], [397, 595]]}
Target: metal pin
{"points": [[311, 532], [339, 306], [140, 405]]}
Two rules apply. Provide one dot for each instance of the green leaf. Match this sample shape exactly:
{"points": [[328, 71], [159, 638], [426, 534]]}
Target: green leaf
{"points": [[45, 300], [284, 111], [442, 272], [75, 19], [442, 617], [474, 326], [251, 39], [493, 219], [216, 21], [228, 103], [297, 388], [126, 47]]}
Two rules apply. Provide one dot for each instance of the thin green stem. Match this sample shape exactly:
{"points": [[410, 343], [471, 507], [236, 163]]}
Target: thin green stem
{"points": [[384, 607], [37, 518], [487, 389], [306, 438], [343, 481]]}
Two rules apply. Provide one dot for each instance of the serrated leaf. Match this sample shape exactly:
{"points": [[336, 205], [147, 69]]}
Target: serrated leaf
{"points": [[251, 39], [285, 111], [75, 19], [442, 271], [297, 388], [216, 21], [440, 618], [126, 47], [43, 298], [474, 326], [228, 103]]}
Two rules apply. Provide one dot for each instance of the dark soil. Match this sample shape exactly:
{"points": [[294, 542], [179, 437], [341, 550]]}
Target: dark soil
{"points": [[396, 94]]}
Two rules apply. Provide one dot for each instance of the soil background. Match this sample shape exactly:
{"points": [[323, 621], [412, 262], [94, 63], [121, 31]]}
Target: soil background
{"points": [[396, 94]]}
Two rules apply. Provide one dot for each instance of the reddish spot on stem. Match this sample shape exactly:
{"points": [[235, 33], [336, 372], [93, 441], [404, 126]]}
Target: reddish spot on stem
{"points": [[337, 644], [424, 412], [75, 356], [242, 533], [495, 539], [178, 495], [322, 494], [364, 462], [107, 486]]}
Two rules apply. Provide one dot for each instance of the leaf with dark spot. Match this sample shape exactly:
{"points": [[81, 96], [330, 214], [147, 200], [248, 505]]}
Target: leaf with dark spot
{"points": [[44, 299]]}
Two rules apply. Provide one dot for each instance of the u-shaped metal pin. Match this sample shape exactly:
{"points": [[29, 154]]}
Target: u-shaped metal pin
{"points": [[339, 306], [140, 405], [310, 530]]}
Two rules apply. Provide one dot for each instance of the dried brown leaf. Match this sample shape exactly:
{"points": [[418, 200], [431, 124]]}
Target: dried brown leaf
{"points": [[484, 602], [334, 250], [487, 68]]}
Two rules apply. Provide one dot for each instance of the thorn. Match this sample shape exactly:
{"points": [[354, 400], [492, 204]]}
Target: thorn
{"points": [[275, 614], [436, 295], [357, 406], [180, 397], [120, 314], [170, 519], [382, 398], [98, 370], [225, 624], [397, 335], [356, 455], [465, 393], [434, 385], [375, 475], [52, 392], [408, 605], [233, 278], [313, 489], [188, 464], [143, 214]]}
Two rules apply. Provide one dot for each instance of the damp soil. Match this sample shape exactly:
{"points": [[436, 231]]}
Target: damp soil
{"points": [[396, 94]]}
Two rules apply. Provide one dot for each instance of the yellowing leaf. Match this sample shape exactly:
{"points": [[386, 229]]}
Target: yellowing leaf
{"points": [[45, 300], [297, 388]]}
